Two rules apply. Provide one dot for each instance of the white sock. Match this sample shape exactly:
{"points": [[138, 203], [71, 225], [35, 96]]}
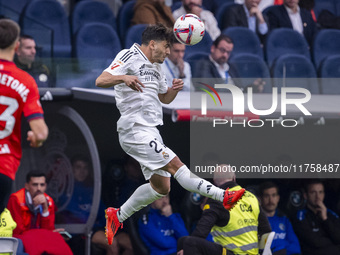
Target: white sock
{"points": [[193, 183], [143, 196]]}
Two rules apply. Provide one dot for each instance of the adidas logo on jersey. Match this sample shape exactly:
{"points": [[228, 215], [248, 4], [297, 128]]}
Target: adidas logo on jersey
{"points": [[47, 97]]}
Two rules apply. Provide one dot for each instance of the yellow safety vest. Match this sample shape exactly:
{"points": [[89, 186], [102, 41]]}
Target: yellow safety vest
{"points": [[7, 225], [240, 234]]}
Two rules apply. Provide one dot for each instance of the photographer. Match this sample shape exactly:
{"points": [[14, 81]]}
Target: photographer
{"points": [[34, 212]]}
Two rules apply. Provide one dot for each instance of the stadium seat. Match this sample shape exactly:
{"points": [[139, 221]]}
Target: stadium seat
{"points": [[95, 46], [124, 17], [330, 75], [246, 68], [9, 245], [192, 59], [134, 34], [245, 41], [132, 227], [294, 70], [285, 41], [222, 10], [337, 6], [326, 43], [96, 42], [12, 9], [320, 5], [176, 5], [203, 45], [83, 13], [47, 22], [267, 9]]}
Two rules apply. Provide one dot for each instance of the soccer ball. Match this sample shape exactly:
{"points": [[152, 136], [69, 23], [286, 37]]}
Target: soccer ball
{"points": [[189, 29]]}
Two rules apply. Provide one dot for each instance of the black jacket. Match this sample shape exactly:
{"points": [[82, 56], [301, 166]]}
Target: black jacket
{"points": [[236, 16], [317, 237], [278, 17]]}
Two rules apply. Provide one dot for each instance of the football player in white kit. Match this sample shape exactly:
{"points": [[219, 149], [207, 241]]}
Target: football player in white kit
{"points": [[140, 87]]}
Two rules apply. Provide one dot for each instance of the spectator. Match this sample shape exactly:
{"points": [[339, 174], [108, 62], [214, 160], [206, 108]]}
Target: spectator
{"points": [[160, 228], [317, 227], [25, 60], [246, 15], [175, 67], [217, 66], [34, 212], [285, 240], [195, 7], [79, 208], [19, 97], [264, 3], [152, 12], [290, 15], [235, 231]]}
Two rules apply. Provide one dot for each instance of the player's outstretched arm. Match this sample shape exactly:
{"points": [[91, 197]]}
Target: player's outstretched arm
{"points": [[169, 96], [38, 133]]}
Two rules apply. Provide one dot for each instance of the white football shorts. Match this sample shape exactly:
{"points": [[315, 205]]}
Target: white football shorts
{"points": [[145, 144]]}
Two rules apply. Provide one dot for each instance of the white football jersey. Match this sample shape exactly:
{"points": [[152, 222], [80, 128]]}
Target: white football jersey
{"points": [[134, 106]]}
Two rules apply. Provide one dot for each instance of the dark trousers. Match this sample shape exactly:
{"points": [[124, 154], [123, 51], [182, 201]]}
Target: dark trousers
{"points": [[5, 191], [199, 246]]}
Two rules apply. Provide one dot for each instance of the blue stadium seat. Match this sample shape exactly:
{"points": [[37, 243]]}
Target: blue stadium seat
{"points": [[282, 41], [95, 43], [330, 75], [203, 45], [12, 9], [245, 41], [294, 70], [124, 18], [47, 22], [176, 5], [326, 43], [267, 9], [84, 13], [246, 68], [192, 59], [221, 11], [337, 6], [320, 5], [134, 35]]}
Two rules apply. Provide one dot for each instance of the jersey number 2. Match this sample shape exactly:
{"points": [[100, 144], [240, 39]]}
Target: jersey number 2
{"points": [[7, 116]]}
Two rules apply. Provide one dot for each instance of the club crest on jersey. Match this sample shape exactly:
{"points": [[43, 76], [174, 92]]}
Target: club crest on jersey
{"points": [[165, 155]]}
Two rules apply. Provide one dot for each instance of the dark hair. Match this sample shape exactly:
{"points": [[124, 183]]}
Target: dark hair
{"points": [[157, 32], [220, 38], [267, 185], [309, 182], [9, 33], [26, 37], [35, 174]]}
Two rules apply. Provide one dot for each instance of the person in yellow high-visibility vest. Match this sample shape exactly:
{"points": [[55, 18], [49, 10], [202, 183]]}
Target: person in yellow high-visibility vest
{"points": [[234, 232]]}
